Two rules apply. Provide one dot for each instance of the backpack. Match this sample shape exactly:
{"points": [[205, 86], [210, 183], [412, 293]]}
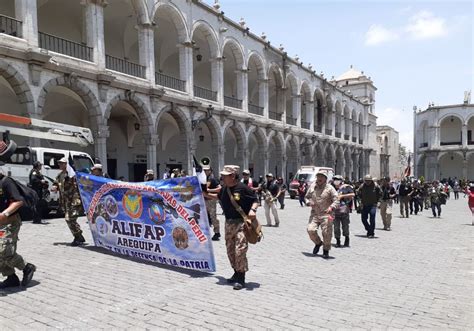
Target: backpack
{"points": [[30, 199]]}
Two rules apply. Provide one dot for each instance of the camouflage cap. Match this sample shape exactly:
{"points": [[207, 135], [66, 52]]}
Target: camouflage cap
{"points": [[230, 170]]}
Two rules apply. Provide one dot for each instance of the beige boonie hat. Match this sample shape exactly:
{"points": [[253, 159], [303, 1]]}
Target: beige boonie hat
{"points": [[62, 160], [150, 172], [97, 166], [230, 170], [368, 177], [206, 167]]}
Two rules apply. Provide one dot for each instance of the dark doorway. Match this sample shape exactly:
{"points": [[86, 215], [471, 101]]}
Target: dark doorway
{"points": [[136, 172], [112, 168]]}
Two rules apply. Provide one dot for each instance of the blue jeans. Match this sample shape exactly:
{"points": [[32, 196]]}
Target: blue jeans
{"points": [[366, 211], [437, 206]]}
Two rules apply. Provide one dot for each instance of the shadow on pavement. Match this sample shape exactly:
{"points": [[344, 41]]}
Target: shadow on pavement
{"points": [[190, 273], [320, 255], [249, 286], [365, 236], [11, 290]]}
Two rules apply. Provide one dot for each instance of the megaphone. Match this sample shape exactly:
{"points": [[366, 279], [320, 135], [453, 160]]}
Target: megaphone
{"points": [[205, 161]]}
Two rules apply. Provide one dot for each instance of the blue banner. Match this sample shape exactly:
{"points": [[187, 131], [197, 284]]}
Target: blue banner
{"points": [[161, 221]]}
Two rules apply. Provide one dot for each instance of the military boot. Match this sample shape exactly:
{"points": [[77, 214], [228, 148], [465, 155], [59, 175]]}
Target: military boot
{"points": [[316, 249], [28, 272], [78, 240], [346, 241], [240, 281], [325, 254], [11, 281], [338, 242], [216, 236], [233, 278]]}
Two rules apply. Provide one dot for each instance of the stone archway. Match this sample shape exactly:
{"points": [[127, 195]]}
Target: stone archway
{"points": [[19, 87], [275, 150], [257, 147], [235, 144]]}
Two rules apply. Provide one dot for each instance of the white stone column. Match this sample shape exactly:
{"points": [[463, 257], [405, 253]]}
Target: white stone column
{"points": [[26, 11], [94, 18], [284, 163], [437, 137], [464, 168], [310, 114], [296, 111], [186, 67], [266, 162], [221, 159], [281, 103], [217, 78], [464, 137], [100, 145], [147, 51], [324, 109], [245, 158], [333, 128], [263, 96], [243, 89], [151, 142]]}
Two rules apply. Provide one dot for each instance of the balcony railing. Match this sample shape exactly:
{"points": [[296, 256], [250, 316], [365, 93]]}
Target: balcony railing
{"points": [[338, 135], [329, 132], [305, 125], [124, 66], [232, 102], [448, 143], [361, 141], [318, 128], [169, 81], [422, 145], [257, 110], [64, 46], [274, 116], [354, 139], [290, 120], [203, 93], [346, 137], [10, 26]]}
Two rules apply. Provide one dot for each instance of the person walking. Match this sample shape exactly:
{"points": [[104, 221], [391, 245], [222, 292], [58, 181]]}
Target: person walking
{"points": [[282, 192], [236, 242], [70, 200], [386, 203], [322, 198], [435, 193], [456, 190], [370, 195], [270, 192], [149, 175], [302, 188], [470, 200], [10, 224], [212, 186], [38, 184], [403, 192], [345, 196]]}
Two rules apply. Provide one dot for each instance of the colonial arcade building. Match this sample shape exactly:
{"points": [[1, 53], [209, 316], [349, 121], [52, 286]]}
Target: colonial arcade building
{"points": [[161, 81]]}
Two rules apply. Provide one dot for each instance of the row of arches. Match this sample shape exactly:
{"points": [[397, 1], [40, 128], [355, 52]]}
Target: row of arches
{"points": [[448, 164], [454, 129]]}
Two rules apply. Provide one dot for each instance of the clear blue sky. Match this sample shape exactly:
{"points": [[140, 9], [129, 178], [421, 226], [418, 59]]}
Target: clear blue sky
{"points": [[416, 52]]}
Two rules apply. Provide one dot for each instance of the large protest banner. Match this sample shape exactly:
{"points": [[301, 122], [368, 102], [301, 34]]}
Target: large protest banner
{"points": [[161, 221]]}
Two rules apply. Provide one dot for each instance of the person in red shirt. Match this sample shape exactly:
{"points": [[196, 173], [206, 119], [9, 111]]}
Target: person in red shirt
{"points": [[470, 191]]}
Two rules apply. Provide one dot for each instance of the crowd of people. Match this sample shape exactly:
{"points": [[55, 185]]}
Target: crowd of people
{"points": [[332, 200]]}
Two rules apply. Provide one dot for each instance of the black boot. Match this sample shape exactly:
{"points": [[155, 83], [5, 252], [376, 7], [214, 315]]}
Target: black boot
{"points": [[233, 278], [216, 236], [325, 254], [346, 241], [338, 242], [78, 240], [11, 281], [240, 281], [28, 274], [316, 249]]}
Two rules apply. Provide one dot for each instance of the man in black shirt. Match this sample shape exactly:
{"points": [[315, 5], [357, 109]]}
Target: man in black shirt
{"points": [[386, 203], [38, 183], [270, 192], [236, 242], [212, 186], [10, 223], [403, 192]]}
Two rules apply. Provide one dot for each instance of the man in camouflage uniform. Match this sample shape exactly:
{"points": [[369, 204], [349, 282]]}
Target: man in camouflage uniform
{"points": [[70, 201], [212, 186], [322, 198], [10, 223], [37, 183], [236, 242]]}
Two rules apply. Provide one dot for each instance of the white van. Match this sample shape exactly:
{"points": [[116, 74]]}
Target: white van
{"points": [[21, 163], [308, 174]]}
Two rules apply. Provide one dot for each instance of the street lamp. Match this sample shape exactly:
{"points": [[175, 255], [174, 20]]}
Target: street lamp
{"points": [[195, 123]]}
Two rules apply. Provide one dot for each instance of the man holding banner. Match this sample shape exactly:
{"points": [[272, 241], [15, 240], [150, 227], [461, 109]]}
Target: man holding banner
{"points": [[236, 242]]}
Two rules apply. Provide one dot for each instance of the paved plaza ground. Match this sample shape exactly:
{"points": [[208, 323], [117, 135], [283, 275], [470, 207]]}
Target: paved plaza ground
{"points": [[420, 275]]}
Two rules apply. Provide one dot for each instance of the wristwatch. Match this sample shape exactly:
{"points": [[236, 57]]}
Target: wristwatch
{"points": [[7, 214], [253, 209]]}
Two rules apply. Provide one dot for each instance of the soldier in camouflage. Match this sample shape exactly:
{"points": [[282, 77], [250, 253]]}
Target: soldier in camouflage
{"points": [[70, 201]]}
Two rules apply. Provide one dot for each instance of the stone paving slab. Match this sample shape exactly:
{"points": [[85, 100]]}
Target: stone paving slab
{"points": [[418, 276]]}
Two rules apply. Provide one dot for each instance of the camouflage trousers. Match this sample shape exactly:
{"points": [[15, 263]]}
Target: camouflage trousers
{"points": [[237, 245], [9, 258], [323, 222], [386, 213], [211, 206], [344, 220], [71, 213]]}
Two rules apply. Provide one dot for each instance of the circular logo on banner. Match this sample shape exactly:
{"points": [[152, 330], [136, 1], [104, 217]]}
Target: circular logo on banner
{"points": [[111, 206], [132, 203], [157, 213], [101, 225]]}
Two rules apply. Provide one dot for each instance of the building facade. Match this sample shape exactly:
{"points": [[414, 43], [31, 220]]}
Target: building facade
{"points": [[444, 142], [388, 143], [161, 81]]}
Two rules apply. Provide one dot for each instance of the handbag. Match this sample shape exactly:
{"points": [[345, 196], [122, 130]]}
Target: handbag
{"points": [[252, 228]]}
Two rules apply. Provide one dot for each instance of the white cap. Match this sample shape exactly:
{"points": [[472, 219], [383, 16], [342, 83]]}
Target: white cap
{"points": [[97, 166], [63, 160]]}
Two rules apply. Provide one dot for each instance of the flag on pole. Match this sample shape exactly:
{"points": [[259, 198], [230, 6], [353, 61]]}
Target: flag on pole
{"points": [[407, 172], [70, 166]]}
